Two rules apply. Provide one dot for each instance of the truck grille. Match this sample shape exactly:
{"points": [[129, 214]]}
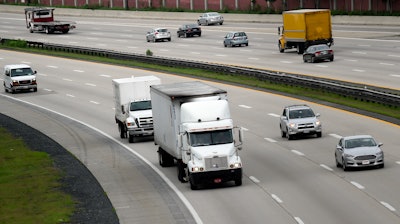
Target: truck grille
{"points": [[305, 126], [25, 82], [216, 163], [146, 122]]}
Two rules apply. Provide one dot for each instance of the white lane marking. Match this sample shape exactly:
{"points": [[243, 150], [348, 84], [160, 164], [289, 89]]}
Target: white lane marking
{"points": [[273, 115], [255, 180], [65, 79], [383, 63], [94, 102], [394, 55], [359, 186], [364, 45], [398, 162], [195, 52], [80, 71], [358, 52], [276, 198], [92, 38], [106, 76], [286, 62], [270, 140], [52, 66], [358, 70], [90, 84], [25, 62], [70, 95], [121, 40], [220, 55], [351, 60], [326, 167], [132, 47], [245, 129], [164, 50], [253, 59], [395, 75], [321, 66], [244, 106], [388, 206], [336, 136], [101, 44], [48, 90], [297, 152], [298, 220], [72, 42], [41, 74]]}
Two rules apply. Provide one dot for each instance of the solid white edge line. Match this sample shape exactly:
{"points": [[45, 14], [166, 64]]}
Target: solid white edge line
{"points": [[255, 180], [270, 140], [297, 152], [170, 184]]}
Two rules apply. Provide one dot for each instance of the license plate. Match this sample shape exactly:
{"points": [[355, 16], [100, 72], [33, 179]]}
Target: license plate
{"points": [[306, 132], [365, 162]]}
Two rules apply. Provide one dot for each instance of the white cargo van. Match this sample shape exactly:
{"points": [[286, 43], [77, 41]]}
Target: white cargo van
{"points": [[19, 77]]}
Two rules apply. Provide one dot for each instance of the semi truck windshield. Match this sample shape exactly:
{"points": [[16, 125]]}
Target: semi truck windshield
{"points": [[211, 137], [141, 105]]}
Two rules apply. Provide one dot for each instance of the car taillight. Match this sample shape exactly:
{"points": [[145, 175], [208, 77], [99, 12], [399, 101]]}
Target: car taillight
{"points": [[317, 53], [330, 51]]}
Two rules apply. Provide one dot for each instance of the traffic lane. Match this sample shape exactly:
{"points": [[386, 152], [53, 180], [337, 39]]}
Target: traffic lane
{"points": [[122, 175]]}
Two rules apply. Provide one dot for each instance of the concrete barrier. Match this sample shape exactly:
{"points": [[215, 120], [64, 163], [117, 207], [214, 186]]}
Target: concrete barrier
{"points": [[192, 16]]}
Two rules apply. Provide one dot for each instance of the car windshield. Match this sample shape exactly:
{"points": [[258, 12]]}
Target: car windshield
{"points": [[210, 138], [140, 105], [360, 142], [191, 25], [213, 14], [21, 72], [301, 113], [321, 48]]}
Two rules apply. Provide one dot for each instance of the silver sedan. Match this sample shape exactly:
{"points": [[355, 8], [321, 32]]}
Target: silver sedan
{"points": [[210, 18], [358, 151]]}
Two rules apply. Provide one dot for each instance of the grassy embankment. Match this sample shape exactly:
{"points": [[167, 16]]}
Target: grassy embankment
{"points": [[29, 185], [295, 91]]}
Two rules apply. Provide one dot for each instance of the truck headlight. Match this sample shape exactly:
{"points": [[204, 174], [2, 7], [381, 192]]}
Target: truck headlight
{"points": [[235, 165], [318, 123], [197, 169], [292, 125]]}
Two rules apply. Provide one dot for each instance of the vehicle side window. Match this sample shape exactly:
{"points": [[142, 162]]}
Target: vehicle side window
{"points": [[7, 72], [284, 113], [341, 142]]}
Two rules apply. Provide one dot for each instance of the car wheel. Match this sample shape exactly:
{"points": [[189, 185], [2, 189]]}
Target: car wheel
{"points": [[185, 35], [221, 23], [238, 181], [304, 59], [319, 134], [345, 168], [199, 34], [198, 22], [283, 134], [206, 22], [169, 39], [337, 162], [131, 139], [225, 45], [247, 44], [331, 59]]}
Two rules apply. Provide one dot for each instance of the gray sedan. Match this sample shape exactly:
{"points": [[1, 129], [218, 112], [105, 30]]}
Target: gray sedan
{"points": [[210, 18], [358, 151]]}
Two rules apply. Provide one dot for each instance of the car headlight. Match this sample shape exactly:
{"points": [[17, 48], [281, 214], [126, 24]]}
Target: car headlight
{"points": [[318, 123], [292, 125], [348, 155], [379, 154]]}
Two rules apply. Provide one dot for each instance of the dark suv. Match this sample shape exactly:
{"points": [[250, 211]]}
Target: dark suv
{"points": [[299, 119]]}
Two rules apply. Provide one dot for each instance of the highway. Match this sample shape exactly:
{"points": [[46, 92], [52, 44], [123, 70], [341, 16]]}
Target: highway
{"points": [[284, 181]]}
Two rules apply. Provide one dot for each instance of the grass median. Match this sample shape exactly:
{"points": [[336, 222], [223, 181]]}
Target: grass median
{"points": [[385, 112], [29, 185]]}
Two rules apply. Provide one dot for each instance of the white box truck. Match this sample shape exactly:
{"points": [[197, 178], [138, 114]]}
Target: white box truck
{"points": [[194, 130], [133, 112]]}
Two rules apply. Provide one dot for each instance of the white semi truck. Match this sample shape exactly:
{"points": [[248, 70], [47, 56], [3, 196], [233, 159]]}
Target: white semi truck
{"points": [[194, 130], [133, 112]]}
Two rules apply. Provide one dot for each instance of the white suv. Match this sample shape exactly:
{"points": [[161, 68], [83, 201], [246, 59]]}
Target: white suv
{"points": [[19, 77], [299, 119]]}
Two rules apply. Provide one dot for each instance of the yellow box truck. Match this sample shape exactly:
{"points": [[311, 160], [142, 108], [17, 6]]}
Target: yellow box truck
{"points": [[303, 28]]}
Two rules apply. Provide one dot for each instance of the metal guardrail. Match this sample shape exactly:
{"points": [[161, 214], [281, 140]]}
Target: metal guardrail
{"points": [[367, 93]]}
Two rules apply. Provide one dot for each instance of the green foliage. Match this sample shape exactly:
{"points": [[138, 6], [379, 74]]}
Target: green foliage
{"points": [[149, 52], [29, 186], [16, 43]]}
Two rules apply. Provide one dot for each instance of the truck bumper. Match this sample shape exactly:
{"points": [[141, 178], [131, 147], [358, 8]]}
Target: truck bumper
{"points": [[216, 176], [23, 87], [141, 132]]}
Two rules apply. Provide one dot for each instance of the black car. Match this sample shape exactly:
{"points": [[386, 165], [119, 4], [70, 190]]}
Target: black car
{"points": [[318, 52], [189, 30]]}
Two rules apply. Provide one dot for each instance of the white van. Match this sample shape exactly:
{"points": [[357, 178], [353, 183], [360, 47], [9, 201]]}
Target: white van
{"points": [[19, 77]]}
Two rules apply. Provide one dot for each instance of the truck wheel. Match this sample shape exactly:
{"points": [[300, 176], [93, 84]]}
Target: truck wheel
{"points": [[164, 158], [181, 171], [121, 129], [131, 139], [192, 185], [281, 49], [238, 182], [65, 31]]}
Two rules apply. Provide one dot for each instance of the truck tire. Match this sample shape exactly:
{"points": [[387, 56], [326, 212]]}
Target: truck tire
{"points": [[65, 31], [192, 185], [181, 171], [131, 139], [281, 49], [238, 181], [164, 158], [121, 129]]}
